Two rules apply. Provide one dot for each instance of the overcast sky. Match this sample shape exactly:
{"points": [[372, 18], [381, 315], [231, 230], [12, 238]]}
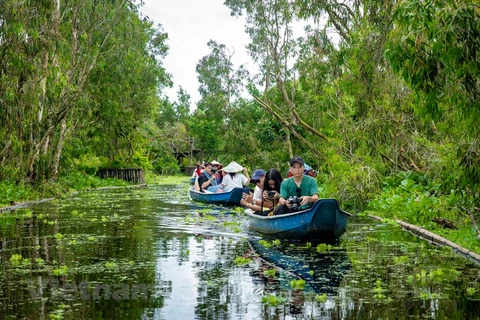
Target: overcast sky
{"points": [[190, 24]]}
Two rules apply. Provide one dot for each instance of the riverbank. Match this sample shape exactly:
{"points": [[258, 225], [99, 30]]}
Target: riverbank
{"points": [[16, 196]]}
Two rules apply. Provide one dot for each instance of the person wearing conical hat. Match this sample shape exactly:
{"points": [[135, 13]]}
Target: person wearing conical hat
{"points": [[236, 177]]}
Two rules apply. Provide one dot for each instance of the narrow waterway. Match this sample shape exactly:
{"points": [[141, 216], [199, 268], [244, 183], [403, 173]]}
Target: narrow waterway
{"points": [[151, 253]]}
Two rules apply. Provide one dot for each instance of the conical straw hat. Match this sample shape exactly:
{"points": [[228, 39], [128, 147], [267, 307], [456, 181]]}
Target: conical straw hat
{"points": [[233, 167]]}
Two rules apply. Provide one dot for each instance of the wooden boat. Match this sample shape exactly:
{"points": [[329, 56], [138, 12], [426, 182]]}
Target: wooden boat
{"points": [[324, 220], [232, 197]]}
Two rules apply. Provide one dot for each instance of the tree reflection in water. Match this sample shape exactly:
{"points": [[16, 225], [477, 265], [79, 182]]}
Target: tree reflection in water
{"points": [[322, 271]]}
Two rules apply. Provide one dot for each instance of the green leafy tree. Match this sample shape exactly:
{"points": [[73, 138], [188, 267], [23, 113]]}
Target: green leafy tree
{"points": [[274, 48], [221, 84], [434, 48], [81, 74]]}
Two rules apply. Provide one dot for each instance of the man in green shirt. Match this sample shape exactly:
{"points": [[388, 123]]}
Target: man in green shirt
{"points": [[300, 185]]}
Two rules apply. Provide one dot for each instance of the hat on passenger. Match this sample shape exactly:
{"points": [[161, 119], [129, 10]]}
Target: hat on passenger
{"points": [[257, 175], [215, 162], [297, 159], [233, 167]]}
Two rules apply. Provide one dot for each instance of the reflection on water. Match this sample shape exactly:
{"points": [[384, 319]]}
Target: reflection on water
{"points": [[321, 270], [151, 253]]}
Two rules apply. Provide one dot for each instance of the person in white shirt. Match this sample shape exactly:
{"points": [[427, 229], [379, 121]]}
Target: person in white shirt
{"points": [[248, 199], [234, 177]]}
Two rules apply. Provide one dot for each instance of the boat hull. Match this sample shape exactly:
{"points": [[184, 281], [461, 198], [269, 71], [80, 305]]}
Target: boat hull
{"points": [[325, 220], [232, 197]]}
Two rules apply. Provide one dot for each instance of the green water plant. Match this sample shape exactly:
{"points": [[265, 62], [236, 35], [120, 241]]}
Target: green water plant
{"points": [[40, 262], [60, 271], [272, 300], [270, 273], [471, 292], [241, 261], [28, 214], [323, 247], [400, 260], [321, 298], [298, 284], [15, 260], [265, 243], [379, 292], [26, 262]]}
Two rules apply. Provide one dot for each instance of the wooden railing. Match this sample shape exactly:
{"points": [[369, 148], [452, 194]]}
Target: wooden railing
{"points": [[134, 175]]}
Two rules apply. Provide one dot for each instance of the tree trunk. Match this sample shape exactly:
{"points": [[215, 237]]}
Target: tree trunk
{"points": [[58, 153]]}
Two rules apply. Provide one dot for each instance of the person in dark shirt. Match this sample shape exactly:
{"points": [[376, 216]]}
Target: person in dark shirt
{"points": [[208, 180]]}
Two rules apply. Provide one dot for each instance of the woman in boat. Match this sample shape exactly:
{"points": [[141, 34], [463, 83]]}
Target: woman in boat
{"points": [[270, 194], [236, 177], [258, 177], [217, 169]]}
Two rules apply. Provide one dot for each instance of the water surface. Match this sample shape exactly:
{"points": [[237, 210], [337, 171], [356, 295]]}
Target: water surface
{"points": [[151, 253]]}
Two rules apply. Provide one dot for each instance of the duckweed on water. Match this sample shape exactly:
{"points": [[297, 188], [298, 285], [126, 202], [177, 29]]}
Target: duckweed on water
{"points": [[241, 261], [273, 300], [15, 260], [271, 273], [297, 284], [139, 237], [321, 298]]}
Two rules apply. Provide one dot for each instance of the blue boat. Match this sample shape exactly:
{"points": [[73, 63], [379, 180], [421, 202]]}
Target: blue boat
{"points": [[324, 220], [232, 197], [192, 180]]}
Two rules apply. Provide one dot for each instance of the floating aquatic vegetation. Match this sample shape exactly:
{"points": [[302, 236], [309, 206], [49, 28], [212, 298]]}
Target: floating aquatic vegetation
{"points": [[273, 300], [242, 261], [15, 260], [62, 271], [321, 298], [297, 284]]}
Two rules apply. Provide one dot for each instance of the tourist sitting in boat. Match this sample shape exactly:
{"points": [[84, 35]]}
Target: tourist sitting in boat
{"points": [[216, 169], [307, 171], [301, 186], [196, 173], [254, 200], [208, 180], [234, 177], [220, 175], [270, 193], [198, 170]]}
